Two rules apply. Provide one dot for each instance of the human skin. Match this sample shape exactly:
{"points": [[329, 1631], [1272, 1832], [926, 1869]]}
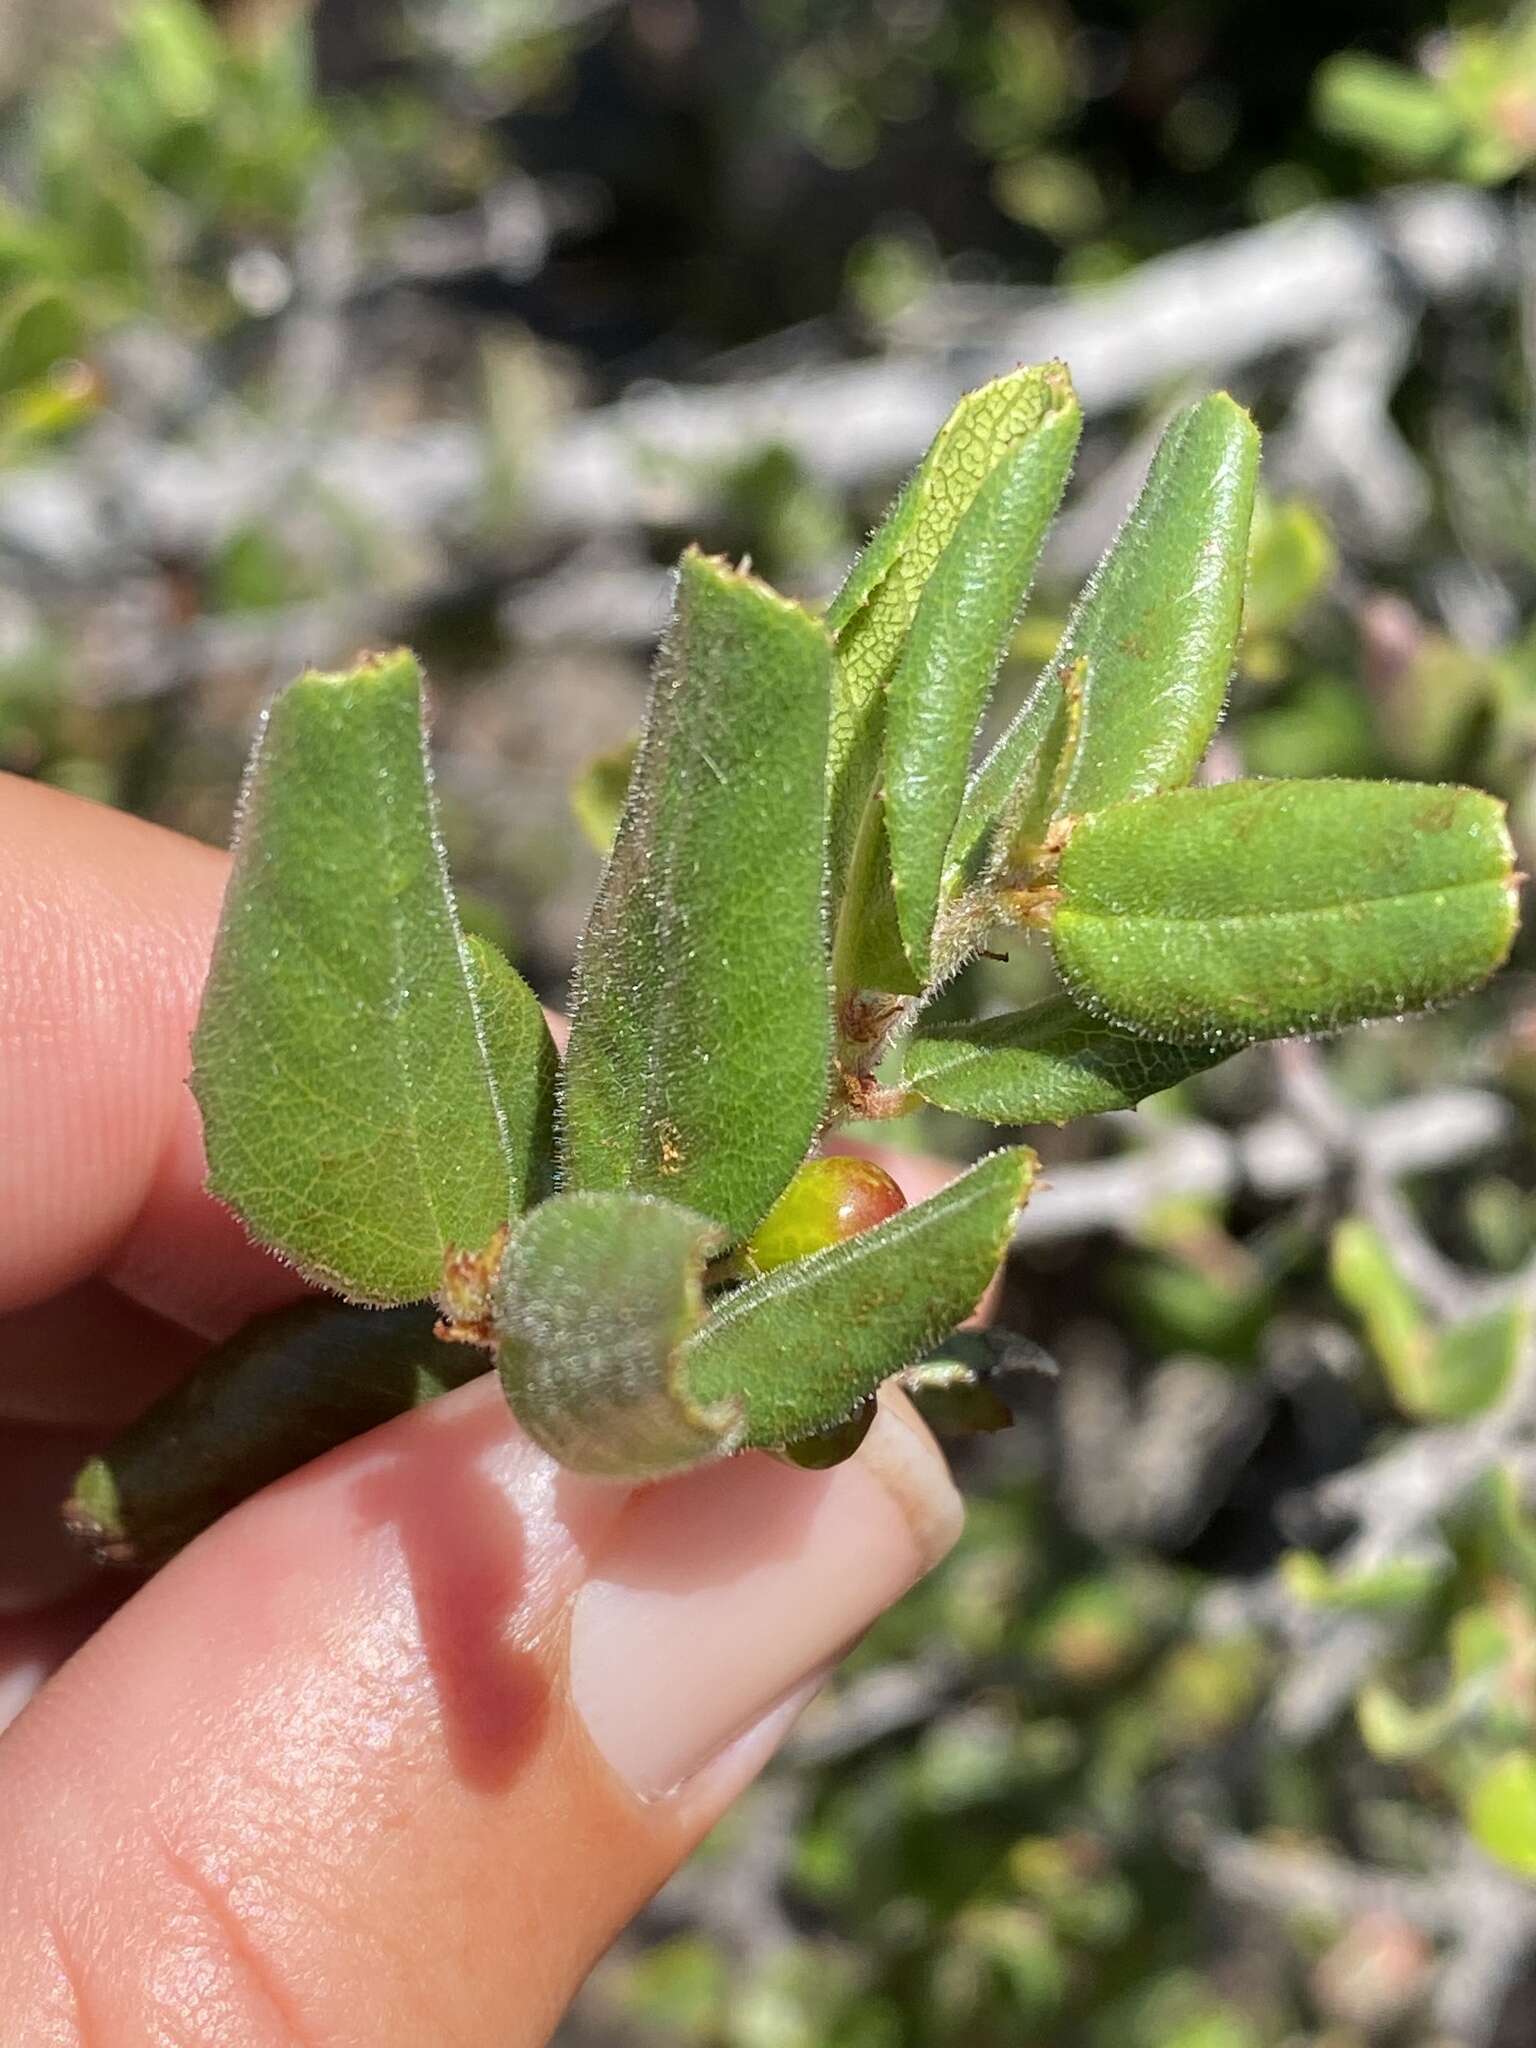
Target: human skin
{"points": [[390, 1754]]}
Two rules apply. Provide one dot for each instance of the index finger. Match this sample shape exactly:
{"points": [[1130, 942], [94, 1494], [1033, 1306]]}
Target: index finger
{"points": [[105, 929]]}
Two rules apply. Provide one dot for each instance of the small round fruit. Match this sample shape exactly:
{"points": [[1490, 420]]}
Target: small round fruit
{"points": [[828, 1201]]}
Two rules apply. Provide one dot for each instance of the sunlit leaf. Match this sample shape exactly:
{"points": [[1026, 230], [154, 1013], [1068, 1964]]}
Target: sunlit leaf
{"points": [[1367, 1278], [1473, 1362], [942, 682], [802, 1346], [1291, 558], [1256, 909], [524, 1066], [1514, 1528], [1396, 1732], [1439, 1374], [610, 1362], [597, 797], [1385, 108], [1129, 701], [1389, 1588], [700, 1040], [1501, 1810], [349, 1107], [873, 612], [597, 1296]]}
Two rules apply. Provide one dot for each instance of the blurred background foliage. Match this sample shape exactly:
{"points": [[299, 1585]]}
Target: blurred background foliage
{"points": [[450, 320]]}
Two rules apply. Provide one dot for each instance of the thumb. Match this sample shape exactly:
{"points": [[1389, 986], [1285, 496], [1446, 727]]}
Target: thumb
{"points": [[391, 1753]]}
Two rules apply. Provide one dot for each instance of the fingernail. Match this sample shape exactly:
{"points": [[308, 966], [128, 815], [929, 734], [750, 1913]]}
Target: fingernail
{"points": [[721, 1594]]}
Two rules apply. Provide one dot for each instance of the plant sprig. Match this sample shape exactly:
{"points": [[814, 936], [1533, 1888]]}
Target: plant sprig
{"points": [[806, 853]]}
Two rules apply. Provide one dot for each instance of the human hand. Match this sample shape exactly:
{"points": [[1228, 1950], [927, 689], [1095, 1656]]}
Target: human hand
{"points": [[392, 1752]]}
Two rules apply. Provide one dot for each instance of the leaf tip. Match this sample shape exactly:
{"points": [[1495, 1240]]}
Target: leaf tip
{"points": [[379, 667], [1061, 392], [93, 1514], [1041, 390], [702, 570], [1018, 1167], [1227, 412]]}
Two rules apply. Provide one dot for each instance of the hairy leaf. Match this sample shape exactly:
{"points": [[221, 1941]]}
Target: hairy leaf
{"points": [[1129, 701], [348, 1102], [610, 1362], [804, 1345], [290, 1386], [597, 1296], [524, 1066], [699, 1050], [872, 614], [1046, 1064], [944, 678], [867, 950], [1257, 909]]}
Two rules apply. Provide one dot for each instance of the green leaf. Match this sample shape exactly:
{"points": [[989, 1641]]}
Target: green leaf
{"points": [[955, 1397], [1398, 1733], [1473, 1363], [179, 56], [1389, 1588], [349, 1108], [41, 325], [1256, 909], [700, 1042], [597, 797], [1481, 1646], [290, 1386], [803, 1346], [872, 614], [1128, 703], [1445, 1375], [524, 1066], [1501, 1810], [597, 1296], [1513, 1528], [1044, 1065], [942, 682], [1291, 559], [610, 1362], [867, 950], [1384, 108], [1365, 1276]]}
